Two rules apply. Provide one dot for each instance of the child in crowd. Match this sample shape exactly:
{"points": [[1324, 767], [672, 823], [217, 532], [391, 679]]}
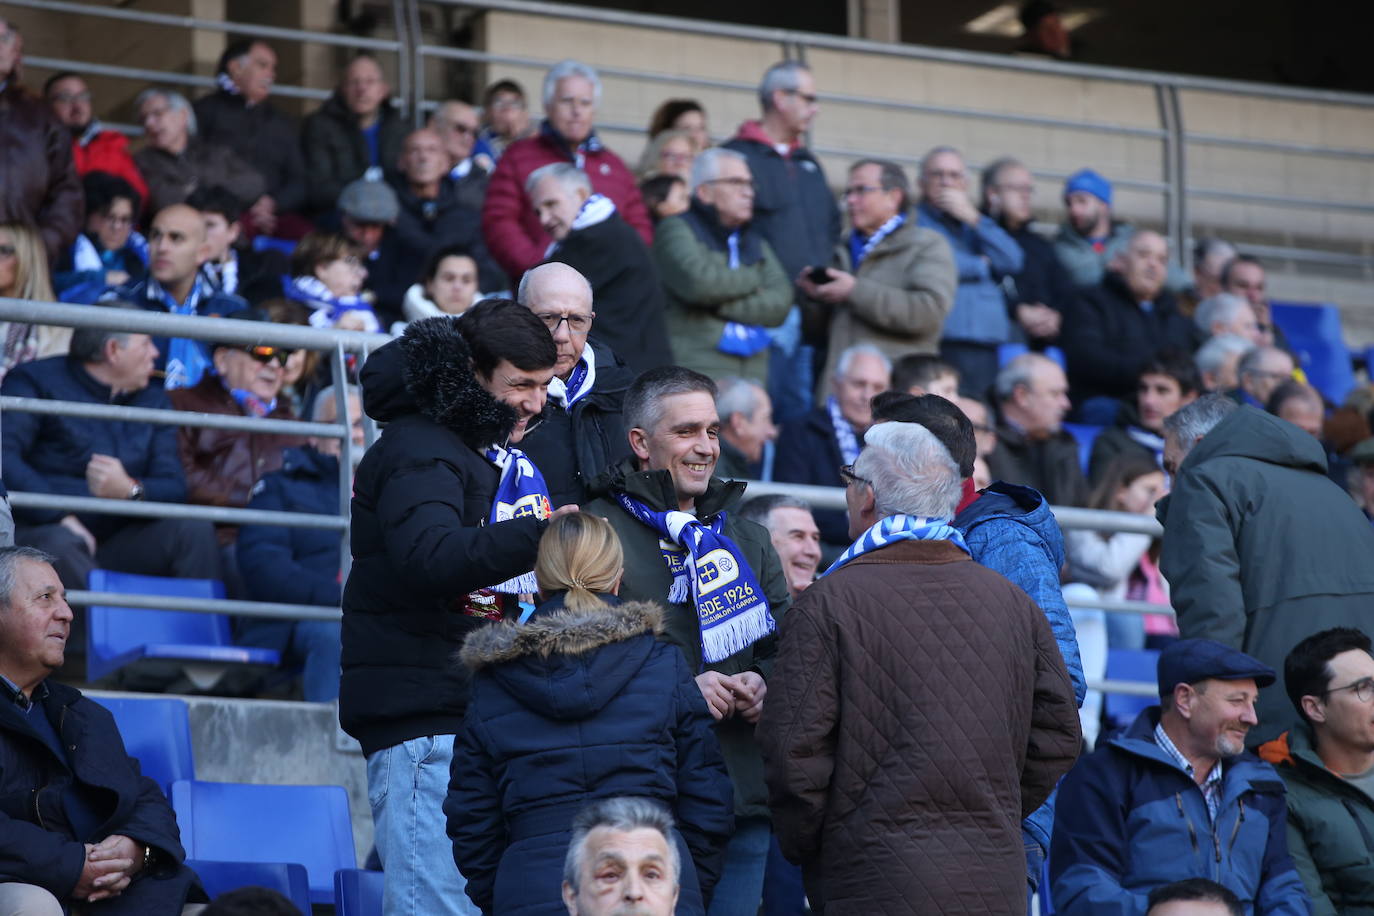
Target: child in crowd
{"points": [[328, 276]]}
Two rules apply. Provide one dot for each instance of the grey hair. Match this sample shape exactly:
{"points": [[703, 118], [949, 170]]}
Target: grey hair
{"points": [[88, 344], [849, 354], [910, 471], [891, 177], [566, 68], [1018, 373], [568, 175], [760, 509], [938, 151], [785, 75], [643, 405], [624, 813], [1250, 362], [1206, 247], [9, 567], [737, 396], [522, 292], [1212, 355], [1189, 424], [326, 396], [1219, 308], [706, 166], [174, 100]]}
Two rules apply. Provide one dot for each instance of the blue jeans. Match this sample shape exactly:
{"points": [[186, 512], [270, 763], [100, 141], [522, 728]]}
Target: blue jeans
{"points": [[741, 880], [406, 785], [783, 892], [317, 645]]}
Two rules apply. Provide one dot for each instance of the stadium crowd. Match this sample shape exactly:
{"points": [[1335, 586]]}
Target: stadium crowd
{"points": [[587, 670]]}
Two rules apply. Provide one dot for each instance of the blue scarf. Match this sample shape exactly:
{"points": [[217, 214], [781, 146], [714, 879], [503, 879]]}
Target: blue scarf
{"points": [[844, 432], [900, 528], [742, 340], [594, 210], [859, 247], [252, 404], [731, 608], [327, 308], [579, 383], [186, 359], [521, 493], [578, 154]]}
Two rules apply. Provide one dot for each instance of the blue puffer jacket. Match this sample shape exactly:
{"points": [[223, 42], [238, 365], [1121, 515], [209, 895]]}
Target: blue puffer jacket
{"points": [[1011, 530], [1130, 819], [571, 707]]}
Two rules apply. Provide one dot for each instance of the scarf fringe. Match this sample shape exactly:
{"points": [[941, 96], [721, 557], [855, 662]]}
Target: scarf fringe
{"points": [[736, 633]]}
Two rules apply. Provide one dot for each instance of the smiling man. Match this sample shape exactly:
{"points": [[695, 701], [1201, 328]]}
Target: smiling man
{"points": [[1176, 796]]}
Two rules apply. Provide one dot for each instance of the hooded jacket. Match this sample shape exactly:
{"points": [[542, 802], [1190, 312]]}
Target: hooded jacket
{"points": [[575, 706], [1262, 549], [1130, 819], [421, 542]]}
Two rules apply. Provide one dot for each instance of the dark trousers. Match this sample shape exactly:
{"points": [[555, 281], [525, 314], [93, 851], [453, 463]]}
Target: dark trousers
{"points": [[976, 362], [180, 548]]}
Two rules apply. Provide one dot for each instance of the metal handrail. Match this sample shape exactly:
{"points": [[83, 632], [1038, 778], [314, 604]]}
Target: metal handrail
{"points": [[162, 417], [269, 609], [220, 515]]}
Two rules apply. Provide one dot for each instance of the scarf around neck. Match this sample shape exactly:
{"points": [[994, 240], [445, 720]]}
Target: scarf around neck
{"points": [[327, 309], [845, 436], [859, 247], [521, 493], [579, 383], [595, 209], [186, 359], [900, 528], [578, 154]]}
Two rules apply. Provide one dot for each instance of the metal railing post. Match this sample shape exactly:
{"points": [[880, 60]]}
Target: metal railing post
{"points": [[340, 372]]}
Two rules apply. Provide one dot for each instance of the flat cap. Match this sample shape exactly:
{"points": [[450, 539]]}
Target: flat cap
{"points": [[1188, 661], [369, 201]]}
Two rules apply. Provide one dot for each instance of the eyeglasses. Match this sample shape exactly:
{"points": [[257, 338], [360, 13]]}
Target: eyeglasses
{"points": [[577, 324], [7, 251], [265, 355], [859, 190], [112, 219], [804, 96], [1016, 188], [1364, 689], [507, 105], [849, 477]]}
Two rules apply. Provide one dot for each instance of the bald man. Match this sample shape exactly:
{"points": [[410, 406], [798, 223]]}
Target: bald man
{"points": [[177, 247], [357, 132], [457, 124], [582, 433]]}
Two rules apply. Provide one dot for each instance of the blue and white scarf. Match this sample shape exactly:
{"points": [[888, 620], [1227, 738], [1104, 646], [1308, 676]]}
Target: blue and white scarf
{"points": [[859, 247], [844, 432], [520, 494], [732, 611], [900, 528], [579, 383], [742, 340], [86, 257], [186, 359], [327, 308], [595, 209]]}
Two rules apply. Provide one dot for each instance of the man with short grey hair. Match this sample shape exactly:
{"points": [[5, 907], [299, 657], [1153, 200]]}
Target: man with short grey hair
{"points": [[1260, 548], [746, 427], [1227, 313], [572, 93], [175, 161], [792, 528], [1033, 449], [630, 839], [1259, 372], [1218, 362], [862, 687]]}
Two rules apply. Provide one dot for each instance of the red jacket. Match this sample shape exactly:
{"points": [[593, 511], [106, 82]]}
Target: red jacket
{"points": [[108, 151], [512, 230]]}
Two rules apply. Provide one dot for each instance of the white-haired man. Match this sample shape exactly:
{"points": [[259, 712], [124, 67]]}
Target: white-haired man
{"points": [[1227, 313], [1033, 448], [572, 92], [862, 687], [746, 427]]}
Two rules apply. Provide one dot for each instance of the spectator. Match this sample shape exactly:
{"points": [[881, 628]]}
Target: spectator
{"points": [[685, 115], [251, 901], [357, 132], [794, 211], [109, 252], [891, 285], [92, 823], [1325, 760], [41, 188], [368, 211], [669, 491], [746, 428], [177, 247], [507, 118], [1090, 240], [572, 92], [328, 276], [1227, 313], [723, 282], [233, 267], [920, 373], [1033, 448], [24, 275], [240, 116], [621, 859], [665, 196], [1210, 256], [1300, 404], [1259, 372], [983, 255], [175, 162], [581, 432], [428, 552], [112, 459], [1153, 805], [457, 125], [1194, 897], [980, 415], [590, 236], [300, 565], [1249, 488], [1115, 328], [1218, 362], [1244, 276], [94, 149], [448, 286], [1167, 383], [793, 532], [1038, 295], [1362, 457], [831, 724], [528, 759], [813, 449], [669, 152], [1042, 27]]}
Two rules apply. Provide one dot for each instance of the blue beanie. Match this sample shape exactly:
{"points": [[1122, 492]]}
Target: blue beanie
{"points": [[1090, 181]]}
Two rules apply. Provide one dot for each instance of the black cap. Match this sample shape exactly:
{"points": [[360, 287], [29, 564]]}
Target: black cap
{"points": [[1188, 661]]}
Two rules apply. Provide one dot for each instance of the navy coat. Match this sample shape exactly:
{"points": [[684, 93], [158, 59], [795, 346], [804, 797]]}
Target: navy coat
{"points": [[572, 707], [809, 453]]}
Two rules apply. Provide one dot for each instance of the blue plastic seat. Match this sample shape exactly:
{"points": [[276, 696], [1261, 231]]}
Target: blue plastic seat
{"points": [[357, 892], [286, 878], [268, 243], [1086, 436], [157, 731], [1137, 665], [1009, 351], [1314, 332], [235, 822], [118, 636]]}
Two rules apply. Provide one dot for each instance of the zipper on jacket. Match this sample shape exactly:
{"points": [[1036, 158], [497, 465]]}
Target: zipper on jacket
{"points": [[1192, 832], [1235, 831]]}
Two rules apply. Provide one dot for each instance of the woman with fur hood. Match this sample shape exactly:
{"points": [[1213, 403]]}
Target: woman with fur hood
{"points": [[580, 702]]}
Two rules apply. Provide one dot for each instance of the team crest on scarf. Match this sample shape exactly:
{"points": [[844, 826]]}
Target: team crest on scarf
{"points": [[521, 493]]}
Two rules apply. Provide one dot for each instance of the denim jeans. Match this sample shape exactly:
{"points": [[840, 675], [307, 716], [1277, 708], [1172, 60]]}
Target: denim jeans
{"points": [[741, 880], [783, 891], [406, 785], [317, 645]]}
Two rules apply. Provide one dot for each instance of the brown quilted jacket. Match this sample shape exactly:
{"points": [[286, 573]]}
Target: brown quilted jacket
{"points": [[918, 710]]}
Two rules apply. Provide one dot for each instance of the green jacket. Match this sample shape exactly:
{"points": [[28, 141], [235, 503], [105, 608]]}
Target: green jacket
{"points": [[647, 579], [1330, 828], [703, 293]]}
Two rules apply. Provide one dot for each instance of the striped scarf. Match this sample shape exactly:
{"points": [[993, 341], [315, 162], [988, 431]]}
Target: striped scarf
{"points": [[900, 528]]}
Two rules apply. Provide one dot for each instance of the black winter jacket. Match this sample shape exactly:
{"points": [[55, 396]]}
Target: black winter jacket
{"points": [[37, 842], [421, 542], [1042, 278], [336, 153], [424, 226], [263, 136], [808, 453]]}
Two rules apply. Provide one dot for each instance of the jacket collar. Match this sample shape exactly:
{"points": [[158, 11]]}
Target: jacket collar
{"points": [[753, 132], [655, 489], [555, 629], [920, 553], [1242, 773]]}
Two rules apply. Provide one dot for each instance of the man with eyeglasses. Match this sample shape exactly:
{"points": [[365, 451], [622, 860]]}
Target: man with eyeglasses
{"points": [[1038, 294], [506, 117], [94, 149], [457, 125], [580, 432], [356, 133]]}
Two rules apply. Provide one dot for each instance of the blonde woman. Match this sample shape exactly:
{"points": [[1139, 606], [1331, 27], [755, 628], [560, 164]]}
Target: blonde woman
{"points": [[24, 275], [582, 702], [668, 153]]}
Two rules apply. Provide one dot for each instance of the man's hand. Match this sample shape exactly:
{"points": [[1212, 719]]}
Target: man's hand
{"points": [[750, 689], [116, 278], [719, 691], [1038, 319], [836, 291], [105, 476], [956, 203], [263, 214], [106, 873], [73, 524]]}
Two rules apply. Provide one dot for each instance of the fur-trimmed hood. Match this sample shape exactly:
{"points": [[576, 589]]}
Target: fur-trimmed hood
{"points": [[428, 371]]}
